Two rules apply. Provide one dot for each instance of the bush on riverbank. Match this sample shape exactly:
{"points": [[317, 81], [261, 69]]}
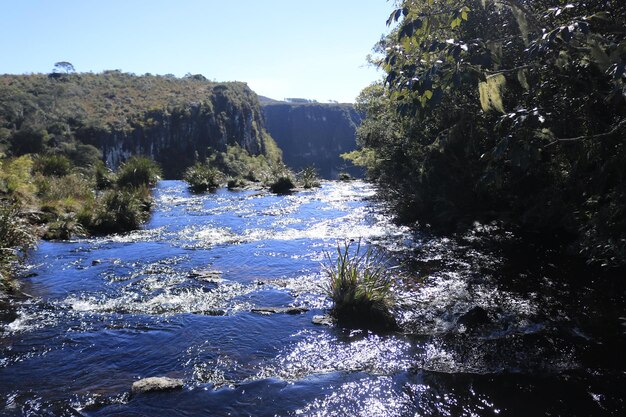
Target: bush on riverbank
{"points": [[66, 201], [16, 238], [52, 165], [360, 287], [527, 125], [120, 210]]}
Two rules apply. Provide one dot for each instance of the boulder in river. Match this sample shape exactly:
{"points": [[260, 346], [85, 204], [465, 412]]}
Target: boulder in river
{"points": [[157, 383], [324, 320], [475, 317]]}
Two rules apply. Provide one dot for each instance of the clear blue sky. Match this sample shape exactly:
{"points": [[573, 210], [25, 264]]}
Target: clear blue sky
{"points": [[282, 48]]}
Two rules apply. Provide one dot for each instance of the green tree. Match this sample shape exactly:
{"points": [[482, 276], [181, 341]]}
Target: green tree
{"points": [[64, 66], [486, 103]]}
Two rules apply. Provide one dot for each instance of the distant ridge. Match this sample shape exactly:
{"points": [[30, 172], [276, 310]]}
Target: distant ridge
{"points": [[267, 100]]}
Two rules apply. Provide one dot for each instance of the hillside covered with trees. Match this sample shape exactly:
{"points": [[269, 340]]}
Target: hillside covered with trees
{"points": [[173, 120], [511, 111]]}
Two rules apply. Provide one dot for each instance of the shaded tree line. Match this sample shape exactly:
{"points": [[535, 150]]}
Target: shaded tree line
{"points": [[510, 110]]}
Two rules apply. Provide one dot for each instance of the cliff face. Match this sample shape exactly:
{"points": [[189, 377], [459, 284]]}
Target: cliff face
{"points": [[173, 120], [175, 137], [314, 134]]}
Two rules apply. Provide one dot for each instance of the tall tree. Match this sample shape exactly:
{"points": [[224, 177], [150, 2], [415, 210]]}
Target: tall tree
{"points": [[499, 100]]}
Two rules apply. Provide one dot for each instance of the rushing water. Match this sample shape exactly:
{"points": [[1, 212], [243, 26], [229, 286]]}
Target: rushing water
{"points": [[177, 298]]}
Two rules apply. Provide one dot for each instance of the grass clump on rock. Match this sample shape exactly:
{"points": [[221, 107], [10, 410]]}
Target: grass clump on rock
{"points": [[201, 177], [308, 177], [138, 171], [282, 185], [360, 287], [121, 210], [281, 180]]}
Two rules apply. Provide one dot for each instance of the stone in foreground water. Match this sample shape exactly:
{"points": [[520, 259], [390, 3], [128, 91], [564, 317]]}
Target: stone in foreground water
{"points": [[159, 383]]}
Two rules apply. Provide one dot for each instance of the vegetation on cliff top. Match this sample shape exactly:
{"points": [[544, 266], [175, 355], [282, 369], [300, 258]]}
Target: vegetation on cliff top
{"points": [[122, 114], [509, 110], [112, 100]]}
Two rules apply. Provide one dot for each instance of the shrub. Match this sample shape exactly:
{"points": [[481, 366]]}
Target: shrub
{"points": [[201, 177], [308, 177], [103, 176], [235, 183], [237, 162], [28, 140], [138, 171], [16, 237], [360, 287], [282, 185], [119, 211], [16, 178], [52, 165], [73, 186], [65, 227], [344, 176]]}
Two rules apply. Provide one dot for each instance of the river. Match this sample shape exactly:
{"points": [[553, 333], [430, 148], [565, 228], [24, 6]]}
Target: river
{"points": [[486, 329]]}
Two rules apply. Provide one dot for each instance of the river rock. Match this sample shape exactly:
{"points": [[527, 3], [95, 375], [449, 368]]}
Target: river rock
{"points": [[280, 310], [324, 320], [210, 312], [157, 383], [208, 276], [475, 317]]}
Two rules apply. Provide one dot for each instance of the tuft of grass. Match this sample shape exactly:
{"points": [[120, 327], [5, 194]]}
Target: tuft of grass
{"points": [[201, 177], [137, 172], [103, 176], [360, 287], [120, 210], [65, 227], [308, 177]]}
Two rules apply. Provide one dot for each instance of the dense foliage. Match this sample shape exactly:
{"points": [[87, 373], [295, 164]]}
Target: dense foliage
{"points": [[54, 199], [512, 110], [16, 238]]}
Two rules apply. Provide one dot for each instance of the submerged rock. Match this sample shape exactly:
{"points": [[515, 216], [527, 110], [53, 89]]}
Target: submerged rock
{"points": [[158, 383], [210, 312], [280, 310], [208, 276]]}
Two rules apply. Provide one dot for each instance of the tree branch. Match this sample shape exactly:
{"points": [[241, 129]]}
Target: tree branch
{"points": [[598, 136]]}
